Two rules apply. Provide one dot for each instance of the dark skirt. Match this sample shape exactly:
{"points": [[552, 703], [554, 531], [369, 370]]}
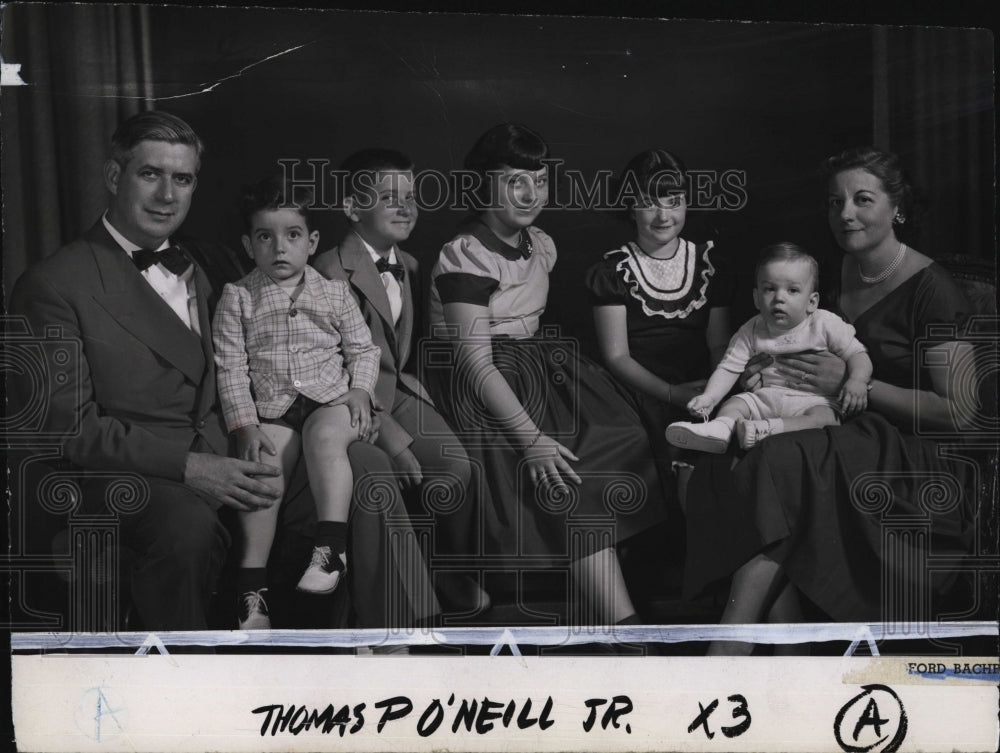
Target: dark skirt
{"points": [[851, 512], [656, 416], [577, 403]]}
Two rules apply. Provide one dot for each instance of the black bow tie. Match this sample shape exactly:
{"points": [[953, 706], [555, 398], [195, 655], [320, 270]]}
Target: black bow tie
{"points": [[383, 266], [524, 245], [172, 257]]}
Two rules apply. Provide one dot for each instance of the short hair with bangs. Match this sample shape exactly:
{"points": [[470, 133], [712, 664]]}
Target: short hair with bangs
{"points": [[505, 145], [653, 173]]}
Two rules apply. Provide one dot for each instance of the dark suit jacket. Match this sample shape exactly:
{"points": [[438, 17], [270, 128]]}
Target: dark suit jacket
{"points": [[140, 385], [351, 261]]}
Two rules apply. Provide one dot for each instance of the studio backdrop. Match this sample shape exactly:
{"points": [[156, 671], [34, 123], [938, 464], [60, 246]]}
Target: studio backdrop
{"points": [[757, 105]]}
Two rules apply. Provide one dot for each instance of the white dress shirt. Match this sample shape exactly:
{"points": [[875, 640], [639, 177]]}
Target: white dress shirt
{"points": [[392, 287], [177, 290]]}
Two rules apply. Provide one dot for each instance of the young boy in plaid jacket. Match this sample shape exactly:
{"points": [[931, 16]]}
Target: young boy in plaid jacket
{"points": [[296, 369]]}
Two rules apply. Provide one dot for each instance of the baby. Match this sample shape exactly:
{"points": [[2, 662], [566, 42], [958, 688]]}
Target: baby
{"points": [[789, 322]]}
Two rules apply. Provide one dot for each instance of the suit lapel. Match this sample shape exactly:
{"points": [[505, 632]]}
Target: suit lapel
{"points": [[206, 393], [405, 328], [361, 272], [133, 303]]}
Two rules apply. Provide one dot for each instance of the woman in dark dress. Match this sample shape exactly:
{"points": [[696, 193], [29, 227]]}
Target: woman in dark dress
{"points": [[816, 513]]}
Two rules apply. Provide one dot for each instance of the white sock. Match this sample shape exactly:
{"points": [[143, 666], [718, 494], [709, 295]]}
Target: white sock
{"points": [[777, 425], [728, 421]]}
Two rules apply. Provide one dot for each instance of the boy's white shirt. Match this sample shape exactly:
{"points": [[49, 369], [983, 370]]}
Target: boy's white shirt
{"points": [[392, 287]]}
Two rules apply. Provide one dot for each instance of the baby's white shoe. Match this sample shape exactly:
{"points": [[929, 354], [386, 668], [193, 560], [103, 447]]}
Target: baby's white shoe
{"points": [[712, 436], [750, 433]]}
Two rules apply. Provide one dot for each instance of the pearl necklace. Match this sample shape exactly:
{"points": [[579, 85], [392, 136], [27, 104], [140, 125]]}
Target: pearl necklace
{"points": [[886, 273]]}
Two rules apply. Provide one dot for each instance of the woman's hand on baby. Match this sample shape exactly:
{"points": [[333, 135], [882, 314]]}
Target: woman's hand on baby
{"points": [[822, 373], [853, 397], [700, 405], [250, 440], [751, 379], [547, 462], [359, 404]]}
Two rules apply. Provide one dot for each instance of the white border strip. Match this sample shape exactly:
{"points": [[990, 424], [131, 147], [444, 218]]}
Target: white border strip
{"points": [[498, 636]]}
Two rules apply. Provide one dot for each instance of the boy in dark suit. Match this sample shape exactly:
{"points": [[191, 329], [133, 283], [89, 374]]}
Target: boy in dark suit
{"points": [[423, 451]]}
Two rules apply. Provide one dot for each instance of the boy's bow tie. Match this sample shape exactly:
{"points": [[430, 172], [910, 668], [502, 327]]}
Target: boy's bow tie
{"points": [[172, 257], [383, 266]]}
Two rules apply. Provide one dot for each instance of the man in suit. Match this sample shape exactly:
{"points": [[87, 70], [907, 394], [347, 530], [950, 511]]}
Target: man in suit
{"points": [[422, 452], [142, 396], [145, 399]]}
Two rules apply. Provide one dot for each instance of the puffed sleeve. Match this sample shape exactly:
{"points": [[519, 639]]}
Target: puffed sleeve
{"points": [[466, 272], [605, 285], [544, 247]]}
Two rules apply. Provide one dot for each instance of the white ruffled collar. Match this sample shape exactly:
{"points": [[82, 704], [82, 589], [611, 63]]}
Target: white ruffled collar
{"points": [[671, 288]]}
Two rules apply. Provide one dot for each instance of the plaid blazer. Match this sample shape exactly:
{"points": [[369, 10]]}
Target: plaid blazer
{"points": [[266, 355]]}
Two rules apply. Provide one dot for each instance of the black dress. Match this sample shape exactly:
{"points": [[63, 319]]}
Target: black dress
{"points": [[667, 306], [849, 511]]}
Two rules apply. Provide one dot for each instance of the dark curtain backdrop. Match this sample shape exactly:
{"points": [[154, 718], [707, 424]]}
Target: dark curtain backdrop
{"points": [[765, 100], [261, 84], [86, 68], [941, 122]]}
